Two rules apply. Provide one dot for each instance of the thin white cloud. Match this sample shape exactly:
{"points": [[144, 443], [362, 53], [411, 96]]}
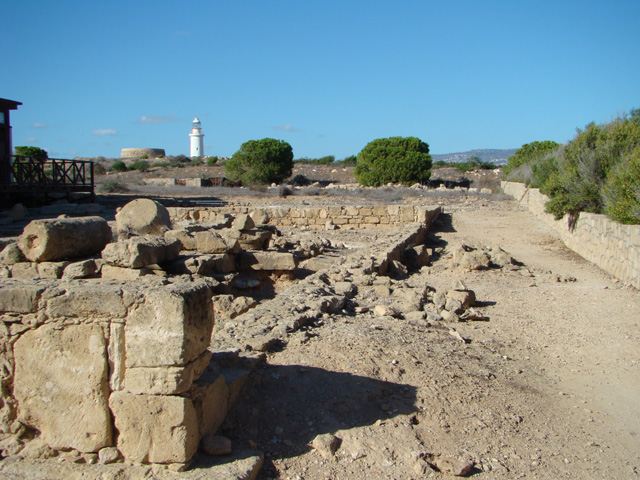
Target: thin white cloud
{"points": [[31, 140], [182, 33], [286, 128], [104, 132], [39, 125], [157, 118]]}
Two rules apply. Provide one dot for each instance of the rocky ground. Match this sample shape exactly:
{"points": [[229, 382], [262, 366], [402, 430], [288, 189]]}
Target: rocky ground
{"points": [[540, 382]]}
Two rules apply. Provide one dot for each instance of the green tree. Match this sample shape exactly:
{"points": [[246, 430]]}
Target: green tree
{"points": [[260, 162], [622, 190], [33, 152], [403, 160], [119, 166]]}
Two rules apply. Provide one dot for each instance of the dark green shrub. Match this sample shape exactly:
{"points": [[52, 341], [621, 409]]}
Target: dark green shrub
{"points": [[212, 160], [144, 157], [528, 153], [349, 161], [140, 165], [260, 162], [622, 190], [98, 169], [474, 163], [440, 164], [403, 160], [585, 164], [119, 166], [112, 186]]}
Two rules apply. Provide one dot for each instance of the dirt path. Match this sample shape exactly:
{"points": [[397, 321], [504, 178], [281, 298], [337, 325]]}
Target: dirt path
{"points": [[547, 388]]}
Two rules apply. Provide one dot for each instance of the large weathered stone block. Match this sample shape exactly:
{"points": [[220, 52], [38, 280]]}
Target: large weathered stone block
{"points": [[20, 297], [88, 300], [63, 238], [142, 251], [61, 386], [165, 380], [267, 261], [170, 326], [210, 396], [155, 428], [143, 216], [212, 242]]}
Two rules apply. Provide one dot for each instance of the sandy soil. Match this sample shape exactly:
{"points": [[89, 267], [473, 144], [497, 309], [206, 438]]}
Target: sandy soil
{"points": [[547, 388]]}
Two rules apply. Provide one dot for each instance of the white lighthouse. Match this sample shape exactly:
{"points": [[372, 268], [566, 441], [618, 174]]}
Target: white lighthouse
{"points": [[197, 144]]}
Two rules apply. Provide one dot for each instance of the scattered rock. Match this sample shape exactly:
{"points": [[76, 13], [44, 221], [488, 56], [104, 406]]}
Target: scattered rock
{"points": [[326, 445], [215, 445], [143, 216], [454, 466]]}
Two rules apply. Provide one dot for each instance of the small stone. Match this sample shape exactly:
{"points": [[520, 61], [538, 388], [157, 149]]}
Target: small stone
{"points": [[454, 466], [215, 445], [108, 455], [326, 445]]}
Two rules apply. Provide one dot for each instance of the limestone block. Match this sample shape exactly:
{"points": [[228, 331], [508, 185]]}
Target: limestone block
{"points": [[11, 254], [141, 251], [155, 428], [51, 269], [267, 261], [243, 222], [165, 380], [62, 238], [61, 386], [88, 300], [212, 242], [171, 327], [77, 270], [24, 270], [116, 356], [20, 297], [203, 264], [110, 272], [143, 216], [187, 239], [254, 239], [210, 395]]}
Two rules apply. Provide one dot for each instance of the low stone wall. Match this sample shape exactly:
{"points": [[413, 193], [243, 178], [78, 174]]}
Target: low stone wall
{"points": [[610, 245], [315, 217]]}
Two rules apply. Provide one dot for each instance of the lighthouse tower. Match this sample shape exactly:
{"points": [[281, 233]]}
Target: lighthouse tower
{"points": [[197, 144]]}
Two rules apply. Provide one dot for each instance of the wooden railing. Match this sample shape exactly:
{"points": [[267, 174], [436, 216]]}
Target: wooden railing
{"points": [[28, 175]]}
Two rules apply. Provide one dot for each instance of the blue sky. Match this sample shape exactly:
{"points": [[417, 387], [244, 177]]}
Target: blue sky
{"points": [[326, 76]]}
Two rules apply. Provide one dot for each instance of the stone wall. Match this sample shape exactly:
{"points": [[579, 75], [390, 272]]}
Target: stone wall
{"points": [[82, 360], [610, 245], [315, 217]]}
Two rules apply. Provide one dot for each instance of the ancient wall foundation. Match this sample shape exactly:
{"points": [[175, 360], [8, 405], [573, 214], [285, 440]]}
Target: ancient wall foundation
{"points": [[610, 245], [315, 217], [106, 352]]}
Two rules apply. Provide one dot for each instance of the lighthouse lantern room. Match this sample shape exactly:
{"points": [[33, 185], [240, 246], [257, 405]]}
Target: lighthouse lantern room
{"points": [[197, 144]]}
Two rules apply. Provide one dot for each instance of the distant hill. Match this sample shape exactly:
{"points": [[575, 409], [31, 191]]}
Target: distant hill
{"points": [[492, 155]]}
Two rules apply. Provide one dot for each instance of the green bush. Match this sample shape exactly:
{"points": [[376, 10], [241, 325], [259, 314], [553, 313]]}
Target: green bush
{"points": [[260, 162], [474, 163], [585, 164], [119, 166], [140, 165], [112, 186], [403, 160], [349, 161], [99, 169], [33, 152], [622, 190], [529, 153], [212, 160]]}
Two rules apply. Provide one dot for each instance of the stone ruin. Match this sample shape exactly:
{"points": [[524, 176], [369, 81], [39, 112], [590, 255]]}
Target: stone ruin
{"points": [[106, 349]]}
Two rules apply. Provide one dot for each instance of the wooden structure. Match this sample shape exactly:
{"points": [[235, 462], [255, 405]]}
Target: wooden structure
{"points": [[5, 138], [37, 180]]}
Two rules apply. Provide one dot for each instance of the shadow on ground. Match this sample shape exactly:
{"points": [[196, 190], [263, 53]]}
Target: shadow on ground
{"points": [[285, 407]]}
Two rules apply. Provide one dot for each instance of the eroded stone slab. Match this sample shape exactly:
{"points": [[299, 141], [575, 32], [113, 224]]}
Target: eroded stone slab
{"points": [[61, 386]]}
